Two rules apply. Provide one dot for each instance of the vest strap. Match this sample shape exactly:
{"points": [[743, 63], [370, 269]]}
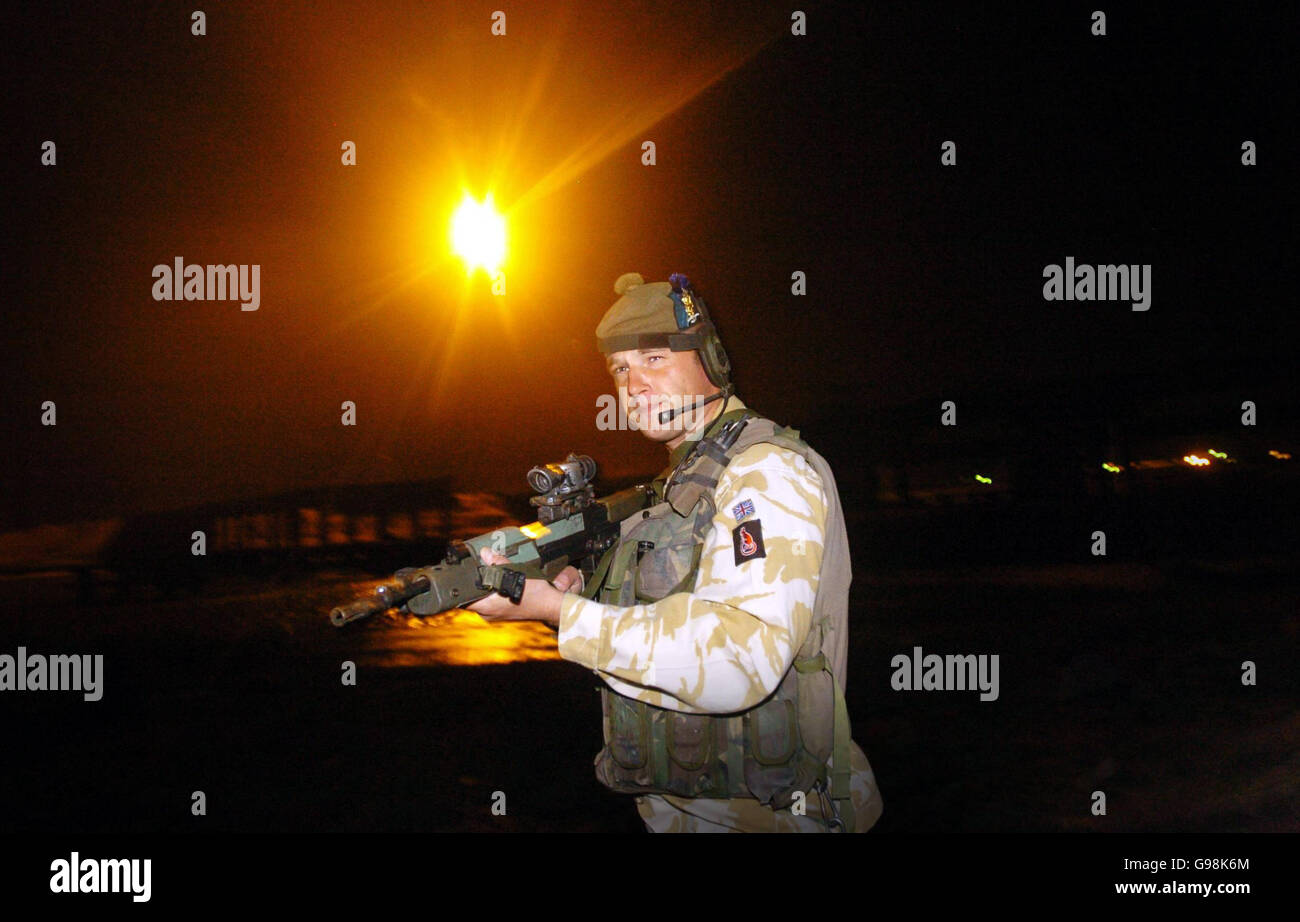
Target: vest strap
{"points": [[815, 664], [840, 771], [592, 589], [713, 451]]}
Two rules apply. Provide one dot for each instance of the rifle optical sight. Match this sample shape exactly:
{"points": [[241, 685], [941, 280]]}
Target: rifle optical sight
{"points": [[569, 476]]}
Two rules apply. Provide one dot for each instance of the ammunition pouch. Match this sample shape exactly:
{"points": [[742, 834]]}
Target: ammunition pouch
{"points": [[765, 752]]}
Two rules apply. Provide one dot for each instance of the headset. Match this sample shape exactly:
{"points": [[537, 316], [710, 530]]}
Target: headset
{"points": [[693, 315]]}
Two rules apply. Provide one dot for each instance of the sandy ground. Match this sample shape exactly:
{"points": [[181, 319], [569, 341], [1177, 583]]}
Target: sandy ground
{"points": [[1125, 681]]}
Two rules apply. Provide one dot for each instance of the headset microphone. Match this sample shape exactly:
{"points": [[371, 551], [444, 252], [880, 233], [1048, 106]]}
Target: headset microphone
{"points": [[667, 416]]}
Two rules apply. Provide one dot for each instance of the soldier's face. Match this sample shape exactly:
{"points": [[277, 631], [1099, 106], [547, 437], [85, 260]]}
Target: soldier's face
{"points": [[650, 381]]}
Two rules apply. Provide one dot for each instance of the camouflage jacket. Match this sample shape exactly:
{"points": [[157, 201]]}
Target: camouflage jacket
{"points": [[724, 646]]}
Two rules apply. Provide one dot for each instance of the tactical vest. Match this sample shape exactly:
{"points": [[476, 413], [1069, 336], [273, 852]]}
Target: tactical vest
{"points": [[780, 746]]}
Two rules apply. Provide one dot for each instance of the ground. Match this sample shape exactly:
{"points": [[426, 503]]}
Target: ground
{"points": [[1124, 680]]}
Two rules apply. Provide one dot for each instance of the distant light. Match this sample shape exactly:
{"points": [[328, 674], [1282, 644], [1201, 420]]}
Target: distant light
{"points": [[1280, 455], [982, 479], [1113, 468], [1196, 460], [478, 235], [1218, 454]]}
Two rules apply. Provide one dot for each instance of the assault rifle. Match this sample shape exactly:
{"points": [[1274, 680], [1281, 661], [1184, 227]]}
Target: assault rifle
{"points": [[572, 527]]}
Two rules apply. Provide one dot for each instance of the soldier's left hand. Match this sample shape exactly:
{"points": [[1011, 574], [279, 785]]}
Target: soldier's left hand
{"points": [[540, 600]]}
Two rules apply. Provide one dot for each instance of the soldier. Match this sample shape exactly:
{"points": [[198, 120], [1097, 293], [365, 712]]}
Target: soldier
{"points": [[719, 622]]}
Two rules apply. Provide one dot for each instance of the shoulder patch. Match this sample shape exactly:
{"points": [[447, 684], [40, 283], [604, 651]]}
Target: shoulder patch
{"points": [[748, 541], [742, 510]]}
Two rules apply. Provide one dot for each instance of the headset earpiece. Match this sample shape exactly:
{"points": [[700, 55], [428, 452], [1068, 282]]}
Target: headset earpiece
{"points": [[714, 359]]}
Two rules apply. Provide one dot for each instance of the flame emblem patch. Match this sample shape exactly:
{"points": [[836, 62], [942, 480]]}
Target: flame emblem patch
{"points": [[747, 540]]}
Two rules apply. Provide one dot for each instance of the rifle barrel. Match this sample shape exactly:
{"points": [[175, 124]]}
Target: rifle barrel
{"points": [[390, 594]]}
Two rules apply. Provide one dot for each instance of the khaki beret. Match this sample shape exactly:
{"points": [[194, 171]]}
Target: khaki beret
{"points": [[644, 317]]}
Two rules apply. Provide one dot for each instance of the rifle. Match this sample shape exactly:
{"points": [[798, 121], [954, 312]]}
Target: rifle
{"points": [[572, 527]]}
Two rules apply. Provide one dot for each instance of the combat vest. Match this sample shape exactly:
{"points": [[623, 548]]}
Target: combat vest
{"points": [[782, 745]]}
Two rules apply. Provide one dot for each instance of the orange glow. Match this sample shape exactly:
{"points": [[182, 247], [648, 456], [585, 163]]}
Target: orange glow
{"points": [[535, 530], [465, 639], [456, 638]]}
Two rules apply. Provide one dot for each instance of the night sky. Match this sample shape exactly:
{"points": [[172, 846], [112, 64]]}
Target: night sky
{"points": [[775, 153]]}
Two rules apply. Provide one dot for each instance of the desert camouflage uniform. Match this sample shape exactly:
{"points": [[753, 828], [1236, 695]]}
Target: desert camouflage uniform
{"points": [[726, 644]]}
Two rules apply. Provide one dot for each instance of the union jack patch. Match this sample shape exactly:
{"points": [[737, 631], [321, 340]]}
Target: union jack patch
{"points": [[742, 510]]}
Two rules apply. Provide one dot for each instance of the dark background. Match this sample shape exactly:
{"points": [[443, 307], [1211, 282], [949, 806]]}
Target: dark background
{"points": [[775, 154], [816, 153]]}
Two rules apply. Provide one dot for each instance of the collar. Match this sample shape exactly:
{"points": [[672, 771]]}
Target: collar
{"points": [[736, 408]]}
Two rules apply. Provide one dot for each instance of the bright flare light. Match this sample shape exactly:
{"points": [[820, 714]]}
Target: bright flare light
{"points": [[1196, 460], [478, 235]]}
